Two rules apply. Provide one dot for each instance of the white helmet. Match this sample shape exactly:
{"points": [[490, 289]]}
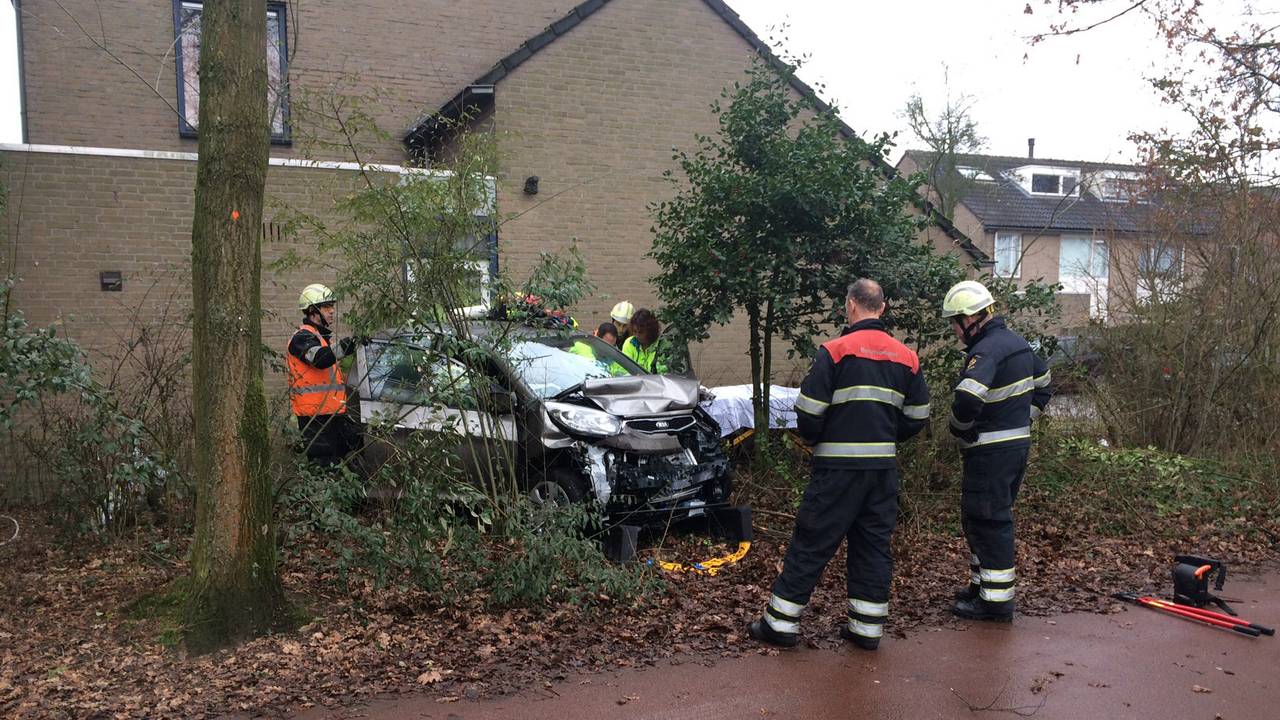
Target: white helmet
{"points": [[622, 312], [967, 297], [314, 294]]}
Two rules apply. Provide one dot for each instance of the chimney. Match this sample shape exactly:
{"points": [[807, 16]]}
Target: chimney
{"points": [[1031, 148]]}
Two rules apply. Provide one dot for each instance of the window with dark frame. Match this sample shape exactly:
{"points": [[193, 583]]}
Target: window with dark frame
{"points": [[1050, 184], [186, 23]]}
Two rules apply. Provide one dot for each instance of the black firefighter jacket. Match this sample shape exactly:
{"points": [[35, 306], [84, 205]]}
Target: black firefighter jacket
{"points": [[863, 395], [1003, 387]]}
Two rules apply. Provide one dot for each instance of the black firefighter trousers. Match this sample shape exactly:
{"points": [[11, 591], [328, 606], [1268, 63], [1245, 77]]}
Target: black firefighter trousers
{"points": [[990, 487], [840, 503], [328, 439]]}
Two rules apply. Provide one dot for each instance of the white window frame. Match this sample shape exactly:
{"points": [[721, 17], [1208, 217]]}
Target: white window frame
{"points": [[1016, 271], [1093, 284], [486, 287], [486, 291], [1098, 249], [1026, 174], [1055, 176]]}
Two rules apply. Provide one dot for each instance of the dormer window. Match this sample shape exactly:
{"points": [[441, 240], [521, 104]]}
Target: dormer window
{"points": [[975, 174], [1122, 187], [1048, 184], [1048, 180]]}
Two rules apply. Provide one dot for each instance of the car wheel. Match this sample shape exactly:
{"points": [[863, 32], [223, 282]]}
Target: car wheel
{"points": [[557, 488]]}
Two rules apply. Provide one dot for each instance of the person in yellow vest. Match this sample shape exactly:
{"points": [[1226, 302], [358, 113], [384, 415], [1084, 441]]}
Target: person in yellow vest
{"points": [[317, 387], [645, 346]]}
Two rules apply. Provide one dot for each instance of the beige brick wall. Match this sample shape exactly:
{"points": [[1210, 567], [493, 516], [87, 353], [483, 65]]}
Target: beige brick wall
{"points": [[74, 216], [1039, 255], [964, 220], [594, 115], [414, 55]]}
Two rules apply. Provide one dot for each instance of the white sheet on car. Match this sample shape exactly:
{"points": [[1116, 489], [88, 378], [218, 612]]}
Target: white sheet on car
{"points": [[732, 407]]}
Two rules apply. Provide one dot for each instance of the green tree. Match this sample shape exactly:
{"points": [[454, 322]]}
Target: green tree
{"points": [[775, 216], [234, 589]]}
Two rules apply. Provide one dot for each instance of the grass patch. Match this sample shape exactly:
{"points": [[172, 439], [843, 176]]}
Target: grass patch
{"points": [[162, 611]]}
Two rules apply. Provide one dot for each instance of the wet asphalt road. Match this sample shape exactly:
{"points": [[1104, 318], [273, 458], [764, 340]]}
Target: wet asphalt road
{"points": [[1135, 664]]}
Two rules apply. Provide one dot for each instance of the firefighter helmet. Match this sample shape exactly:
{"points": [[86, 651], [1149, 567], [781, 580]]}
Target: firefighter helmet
{"points": [[967, 297], [622, 312], [315, 294]]}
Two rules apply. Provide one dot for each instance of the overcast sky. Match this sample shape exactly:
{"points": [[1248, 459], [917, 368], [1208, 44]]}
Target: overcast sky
{"points": [[1079, 97]]}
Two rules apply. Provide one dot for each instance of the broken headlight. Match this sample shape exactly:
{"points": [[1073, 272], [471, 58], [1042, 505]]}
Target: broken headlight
{"points": [[584, 421]]}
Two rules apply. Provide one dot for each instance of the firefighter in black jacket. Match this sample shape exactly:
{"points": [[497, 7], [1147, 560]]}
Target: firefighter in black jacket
{"points": [[1004, 386], [863, 395]]}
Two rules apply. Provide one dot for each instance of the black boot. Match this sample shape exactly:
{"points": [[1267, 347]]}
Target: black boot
{"points": [[761, 631], [865, 643], [968, 592], [979, 609]]}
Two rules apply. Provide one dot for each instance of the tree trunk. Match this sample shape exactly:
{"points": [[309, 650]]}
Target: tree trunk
{"points": [[234, 590], [766, 370], [753, 349]]}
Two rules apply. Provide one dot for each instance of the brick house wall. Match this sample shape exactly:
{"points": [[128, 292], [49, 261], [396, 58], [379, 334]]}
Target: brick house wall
{"points": [[595, 115], [74, 216], [414, 56]]}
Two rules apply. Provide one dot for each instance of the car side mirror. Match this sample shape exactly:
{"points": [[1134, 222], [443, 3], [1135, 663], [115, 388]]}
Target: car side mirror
{"points": [[501, 400]]}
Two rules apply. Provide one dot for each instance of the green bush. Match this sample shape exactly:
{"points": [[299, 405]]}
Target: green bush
{"points": [[1127, 490], [443, 535], [552, 556], [104, 460]]}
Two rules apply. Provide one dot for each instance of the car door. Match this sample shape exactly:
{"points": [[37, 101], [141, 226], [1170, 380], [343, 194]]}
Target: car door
{"points": [[407, 388]]}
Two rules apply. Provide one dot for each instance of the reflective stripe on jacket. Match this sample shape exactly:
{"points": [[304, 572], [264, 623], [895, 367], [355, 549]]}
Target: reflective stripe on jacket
{"points": [[1003, 387], [312, 390], [863, 395]]}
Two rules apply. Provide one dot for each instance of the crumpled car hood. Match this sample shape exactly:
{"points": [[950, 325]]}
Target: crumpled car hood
{"points": [[642, 394]]}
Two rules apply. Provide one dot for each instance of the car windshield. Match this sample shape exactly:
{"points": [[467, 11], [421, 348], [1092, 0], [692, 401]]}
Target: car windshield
{"points": [[549, 365]]}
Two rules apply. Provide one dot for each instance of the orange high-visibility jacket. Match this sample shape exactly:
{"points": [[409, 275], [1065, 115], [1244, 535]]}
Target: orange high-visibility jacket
{"points": [[313, 391]]}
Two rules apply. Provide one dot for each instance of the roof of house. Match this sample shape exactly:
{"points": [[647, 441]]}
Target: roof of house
{"points": [[1005, 204], [479, 96]]}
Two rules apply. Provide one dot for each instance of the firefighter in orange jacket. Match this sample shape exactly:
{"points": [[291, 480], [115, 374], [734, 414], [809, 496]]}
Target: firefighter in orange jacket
{"points": [[317, 387]]}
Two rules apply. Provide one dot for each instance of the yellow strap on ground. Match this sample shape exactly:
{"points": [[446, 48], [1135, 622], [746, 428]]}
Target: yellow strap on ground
{"points": [[707, 567]]}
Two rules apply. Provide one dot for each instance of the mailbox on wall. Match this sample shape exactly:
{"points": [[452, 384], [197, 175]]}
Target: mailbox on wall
{"points": [[111, 280]]}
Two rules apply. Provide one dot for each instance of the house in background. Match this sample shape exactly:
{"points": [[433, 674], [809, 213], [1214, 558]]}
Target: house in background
{"points": [[589, 98], [1088, 226]]}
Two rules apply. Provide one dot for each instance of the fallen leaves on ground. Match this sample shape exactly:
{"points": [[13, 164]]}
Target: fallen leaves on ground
{"points": [[71, 649]]}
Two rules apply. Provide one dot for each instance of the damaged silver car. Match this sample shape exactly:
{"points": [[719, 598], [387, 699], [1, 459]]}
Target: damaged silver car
{"points": [[571, 415]]}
